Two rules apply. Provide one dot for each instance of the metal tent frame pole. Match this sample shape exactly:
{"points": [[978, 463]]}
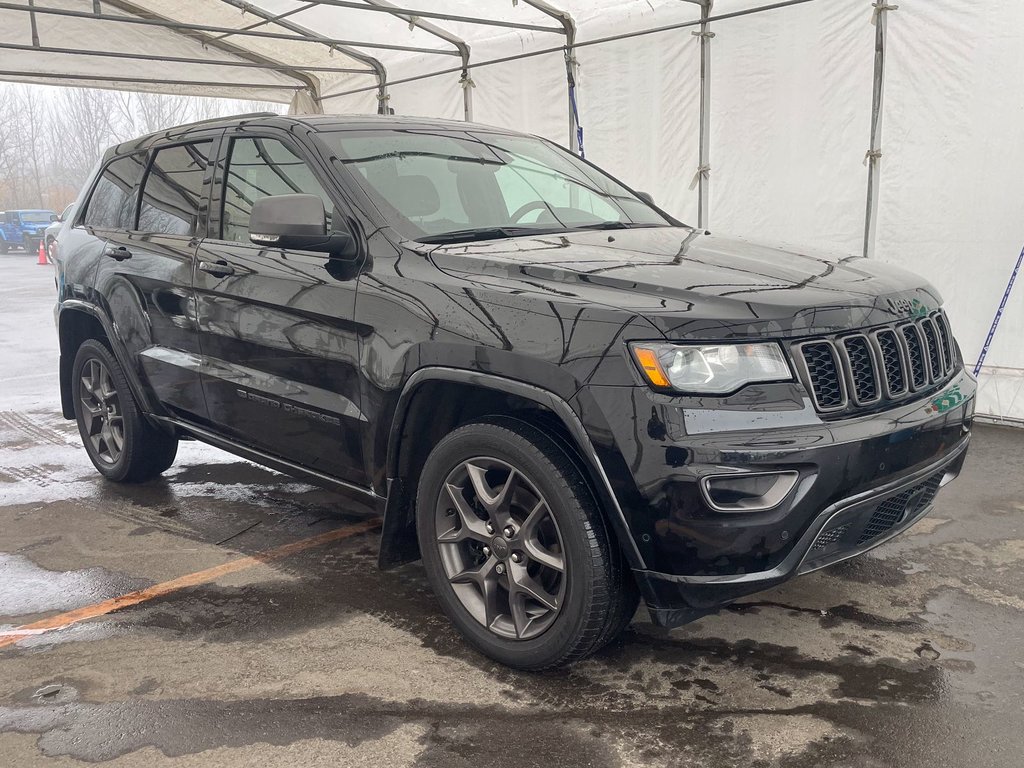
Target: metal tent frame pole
{"points": [[873, 156], [572, 68], [583, 44], [312, 84], [413, 19], [307, 34], [704, 160]]}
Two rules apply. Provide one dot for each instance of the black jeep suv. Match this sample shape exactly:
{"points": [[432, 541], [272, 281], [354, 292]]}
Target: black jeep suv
{"points": [[560, 398]]}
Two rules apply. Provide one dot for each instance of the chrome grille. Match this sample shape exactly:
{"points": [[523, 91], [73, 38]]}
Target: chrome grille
{"points": [[860, 370]]}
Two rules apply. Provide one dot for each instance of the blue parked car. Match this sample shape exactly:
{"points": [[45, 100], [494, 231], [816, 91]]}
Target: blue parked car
{"points": [[23, 228]]}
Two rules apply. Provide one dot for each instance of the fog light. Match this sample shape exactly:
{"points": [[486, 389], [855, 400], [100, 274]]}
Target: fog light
{"points": [[747, 491]]}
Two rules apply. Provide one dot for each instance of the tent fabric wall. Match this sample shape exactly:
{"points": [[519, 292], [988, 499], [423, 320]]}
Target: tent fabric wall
{"points": [[952, 186], [790, 112]]}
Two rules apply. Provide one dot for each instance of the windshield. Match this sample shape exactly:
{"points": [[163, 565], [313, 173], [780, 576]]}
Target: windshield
{"points": [[440, 186], [36, 217]]}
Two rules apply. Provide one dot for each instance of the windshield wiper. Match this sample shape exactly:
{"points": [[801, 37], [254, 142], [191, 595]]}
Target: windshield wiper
{"points": [[616, 225], [486, 233]]}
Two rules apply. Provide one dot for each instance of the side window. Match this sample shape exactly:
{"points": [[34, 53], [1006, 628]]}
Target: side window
{"points": [[110, 205], [260, 168], [172, 194]]}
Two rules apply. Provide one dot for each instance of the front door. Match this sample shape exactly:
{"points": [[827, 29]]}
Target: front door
{"points": [[276, 327]]}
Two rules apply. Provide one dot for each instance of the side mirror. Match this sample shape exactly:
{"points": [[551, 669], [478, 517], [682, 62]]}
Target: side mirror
{"points": [[54, 217], [646, 197], [299, 223]]}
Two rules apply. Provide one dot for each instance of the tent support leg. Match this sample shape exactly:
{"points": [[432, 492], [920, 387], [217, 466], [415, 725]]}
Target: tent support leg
{"points": [[572, 72], [704, 167], [874, 154], [571, 66]]}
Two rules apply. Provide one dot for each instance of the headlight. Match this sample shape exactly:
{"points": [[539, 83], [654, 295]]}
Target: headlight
{"points": [[715, 369]]}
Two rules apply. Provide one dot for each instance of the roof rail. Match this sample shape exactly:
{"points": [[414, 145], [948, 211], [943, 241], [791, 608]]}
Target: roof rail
{"points": [[220, 119]]}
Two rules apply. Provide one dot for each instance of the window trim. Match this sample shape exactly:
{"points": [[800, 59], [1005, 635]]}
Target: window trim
{"points": [[215, 227], [209, 175]]}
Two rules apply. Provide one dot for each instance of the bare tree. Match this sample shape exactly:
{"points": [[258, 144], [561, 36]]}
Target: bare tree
{"points": [[51, 138]]}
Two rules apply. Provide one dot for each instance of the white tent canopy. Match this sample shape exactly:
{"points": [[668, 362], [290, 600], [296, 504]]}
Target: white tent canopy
{"points": [[854, 125]]}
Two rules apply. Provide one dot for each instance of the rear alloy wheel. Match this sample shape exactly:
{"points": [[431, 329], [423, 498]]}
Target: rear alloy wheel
{"points": [[101, 412], [121, 443], [515, 548]]}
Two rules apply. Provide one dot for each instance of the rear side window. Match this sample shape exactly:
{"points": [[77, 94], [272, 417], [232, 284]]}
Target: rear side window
{"points": [[172, 194], [258, 168], [110, 205]]}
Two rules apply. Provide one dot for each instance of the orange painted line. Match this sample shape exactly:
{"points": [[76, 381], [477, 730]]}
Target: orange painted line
{"points": [[204, 576]]}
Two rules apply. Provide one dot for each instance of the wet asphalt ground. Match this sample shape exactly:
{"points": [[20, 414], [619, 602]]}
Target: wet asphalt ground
{"points": [[911, 656]]}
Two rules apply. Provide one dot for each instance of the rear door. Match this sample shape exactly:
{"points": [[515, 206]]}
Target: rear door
{"points": [[276, 327], [146, 277]]}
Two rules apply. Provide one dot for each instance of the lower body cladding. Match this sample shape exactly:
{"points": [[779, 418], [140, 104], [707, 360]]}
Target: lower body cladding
{"points": [[717, 515]]}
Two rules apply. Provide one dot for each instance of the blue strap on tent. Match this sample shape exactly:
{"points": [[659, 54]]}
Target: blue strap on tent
{"points": [[576, 119], [999, 313]]}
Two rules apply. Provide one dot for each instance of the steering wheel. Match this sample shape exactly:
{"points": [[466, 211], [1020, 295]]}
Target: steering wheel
{"points": [[522, 210]]}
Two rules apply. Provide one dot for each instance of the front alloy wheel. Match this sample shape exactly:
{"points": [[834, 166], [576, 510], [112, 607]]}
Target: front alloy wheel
{"points": [[501, 548], [515, 547]]}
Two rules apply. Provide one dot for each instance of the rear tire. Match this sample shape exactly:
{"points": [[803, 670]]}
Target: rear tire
{"points": [[121, 443], [545, 594]]}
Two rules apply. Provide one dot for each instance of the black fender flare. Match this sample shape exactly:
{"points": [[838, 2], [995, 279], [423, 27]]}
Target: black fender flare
{"points": [[116, 347], [394, 550]]}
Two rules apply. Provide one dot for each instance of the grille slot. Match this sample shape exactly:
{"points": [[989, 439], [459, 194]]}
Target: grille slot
{"points": [[822, 365], [915, 355], [863, 374], [893, 510], [946, 336], [860, 370], [892, 362], [931, 341]]}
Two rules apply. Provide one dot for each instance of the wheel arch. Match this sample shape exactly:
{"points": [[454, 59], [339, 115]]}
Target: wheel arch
{"points": [[78, 321], [534, 405]]}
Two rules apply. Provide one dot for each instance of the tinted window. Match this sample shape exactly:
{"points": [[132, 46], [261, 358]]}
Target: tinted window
{"points": [[259, 168], [110, 206], [172, 195]]}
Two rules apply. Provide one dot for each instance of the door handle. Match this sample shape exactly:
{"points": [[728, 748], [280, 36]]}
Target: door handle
{"points": [[117, 252], [217, 268]]}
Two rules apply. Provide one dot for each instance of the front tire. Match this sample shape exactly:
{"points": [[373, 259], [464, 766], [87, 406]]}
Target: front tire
{"points": [[121, 444], [515, 547]]}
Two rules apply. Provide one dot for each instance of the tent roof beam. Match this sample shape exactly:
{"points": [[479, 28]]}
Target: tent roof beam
{"points": [[185, 26], [181, 59], [437, 15], [105, 81]]}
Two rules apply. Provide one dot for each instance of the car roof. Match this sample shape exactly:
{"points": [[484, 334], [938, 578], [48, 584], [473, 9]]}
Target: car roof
{"points": [[316, 122]]}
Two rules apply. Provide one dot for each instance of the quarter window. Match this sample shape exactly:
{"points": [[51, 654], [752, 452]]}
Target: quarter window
{"points": [[110, 205], [260, 167], [172, 194]]}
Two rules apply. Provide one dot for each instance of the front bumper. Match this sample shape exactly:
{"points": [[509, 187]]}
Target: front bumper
{"points": [[844, 530], [861, 481]]}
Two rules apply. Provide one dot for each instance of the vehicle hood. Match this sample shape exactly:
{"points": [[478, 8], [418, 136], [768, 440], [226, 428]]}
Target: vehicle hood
{"points": [[690, 284]]}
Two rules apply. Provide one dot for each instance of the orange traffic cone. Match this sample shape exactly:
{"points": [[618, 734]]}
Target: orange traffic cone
{"points": [[42, 253]]}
